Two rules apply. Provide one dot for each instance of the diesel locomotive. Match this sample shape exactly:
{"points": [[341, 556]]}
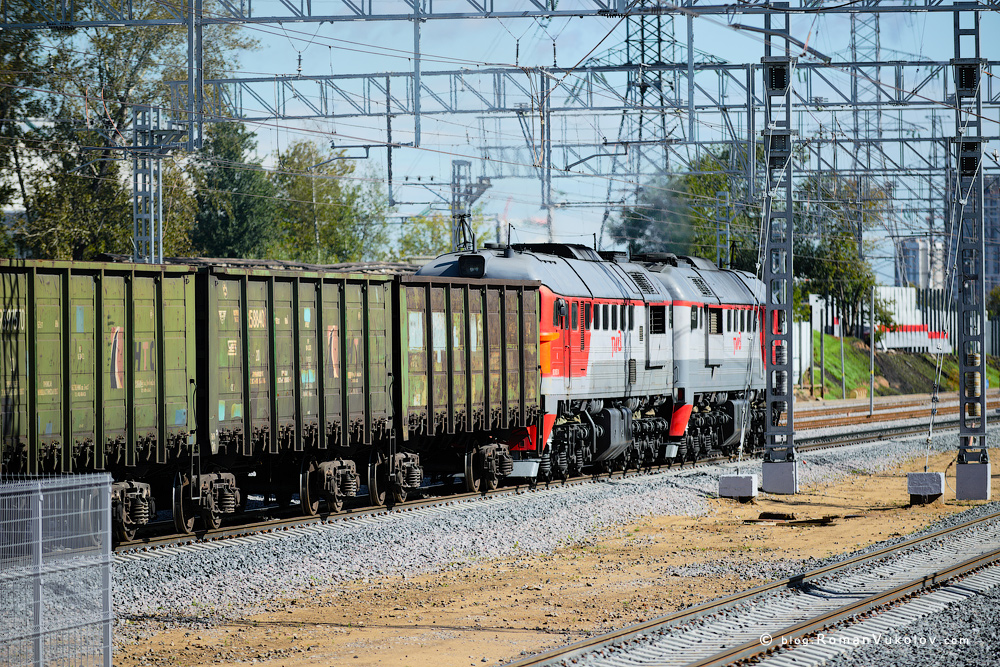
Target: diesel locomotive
{"points": [[198, 382], [650, 359]]}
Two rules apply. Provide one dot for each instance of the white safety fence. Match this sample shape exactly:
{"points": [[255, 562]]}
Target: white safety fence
{"points": [[55, 571]]}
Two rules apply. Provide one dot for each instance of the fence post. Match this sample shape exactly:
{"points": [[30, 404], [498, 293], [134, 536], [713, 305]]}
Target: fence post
{"points": [[36, 574]]}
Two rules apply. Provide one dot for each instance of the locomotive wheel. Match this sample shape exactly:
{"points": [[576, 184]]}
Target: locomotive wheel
{"points": [[308, 493], [183, 508], [377, 478], [473, 471]]}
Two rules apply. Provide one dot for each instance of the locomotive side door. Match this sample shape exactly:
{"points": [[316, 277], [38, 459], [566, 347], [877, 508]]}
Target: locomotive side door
{"points": [[570, 324], [659, 336], [562, 362]]}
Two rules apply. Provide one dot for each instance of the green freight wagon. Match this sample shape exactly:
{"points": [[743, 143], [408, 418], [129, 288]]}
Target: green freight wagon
{"points": [[196, 384], [469, 375], [98, 374], [294, 386]]}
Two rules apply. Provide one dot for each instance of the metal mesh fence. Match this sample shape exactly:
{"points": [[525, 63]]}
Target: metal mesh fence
{"points": [[55, 571]]}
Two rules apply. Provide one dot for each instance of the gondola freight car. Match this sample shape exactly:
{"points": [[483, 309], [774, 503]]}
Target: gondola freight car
{"points": [[197, 384], [98, 371]]}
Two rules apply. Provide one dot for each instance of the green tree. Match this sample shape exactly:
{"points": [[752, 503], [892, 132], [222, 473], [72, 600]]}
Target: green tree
{"points": [[235, 198], [993, 303], [88, 80], [180, 207], [680, 212], [72, 218], [326, 214], [829, 244]]}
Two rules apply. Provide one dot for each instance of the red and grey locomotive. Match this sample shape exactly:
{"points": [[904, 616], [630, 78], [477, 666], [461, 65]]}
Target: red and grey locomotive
{"points": [[649, 359]]}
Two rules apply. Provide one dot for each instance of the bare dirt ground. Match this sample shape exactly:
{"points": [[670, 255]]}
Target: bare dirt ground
{"points": [[493, 611]]}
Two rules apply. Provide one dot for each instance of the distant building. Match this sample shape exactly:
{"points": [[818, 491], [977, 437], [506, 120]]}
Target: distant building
{"points": [[991, 213], [991, 219], [918, 266]]}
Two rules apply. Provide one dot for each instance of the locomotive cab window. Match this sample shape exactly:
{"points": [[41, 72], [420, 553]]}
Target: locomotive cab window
{"points": [[559, 313], [715, 320], [694, 318], [657, 320]]}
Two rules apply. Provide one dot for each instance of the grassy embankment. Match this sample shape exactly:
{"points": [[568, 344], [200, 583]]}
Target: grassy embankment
{"points": [[895, 372]]}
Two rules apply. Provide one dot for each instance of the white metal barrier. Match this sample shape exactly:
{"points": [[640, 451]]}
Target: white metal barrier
{"points": [[55, 571]]}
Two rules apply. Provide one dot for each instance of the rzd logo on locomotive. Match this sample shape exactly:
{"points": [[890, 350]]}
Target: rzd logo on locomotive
{"points": [[616, 343]]}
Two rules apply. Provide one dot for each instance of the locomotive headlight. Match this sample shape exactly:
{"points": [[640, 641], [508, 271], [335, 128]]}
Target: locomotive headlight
{"points": [[472, 266]]}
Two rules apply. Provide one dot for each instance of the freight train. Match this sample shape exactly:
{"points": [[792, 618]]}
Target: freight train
{"points": [[199, 382]]}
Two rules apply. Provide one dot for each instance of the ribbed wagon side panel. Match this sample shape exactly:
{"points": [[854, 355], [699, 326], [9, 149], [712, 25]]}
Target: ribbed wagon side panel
{"points": [[97, 362], [307, 355], [176, 355], [494, 360], [283, 315], [355, 358], [15, 426], [258, 332], [470, 355], [333, 371], [79, 448], [115, 366], [47, 362], [380, 358], [146, 398]]}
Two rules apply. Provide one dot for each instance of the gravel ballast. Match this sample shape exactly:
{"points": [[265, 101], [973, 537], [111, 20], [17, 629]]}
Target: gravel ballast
{"points": [[207, 586]]}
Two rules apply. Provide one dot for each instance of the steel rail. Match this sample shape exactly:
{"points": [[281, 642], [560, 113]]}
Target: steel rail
{"points": [[588, 645], [286, 523]]}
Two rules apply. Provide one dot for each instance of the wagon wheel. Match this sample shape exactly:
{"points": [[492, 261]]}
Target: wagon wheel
{"points": [[399, 494], [377, 478], [125, 530], [210, 514], [473, 470], [491, 479], [90, 513], [184, 509], [308, 493]]}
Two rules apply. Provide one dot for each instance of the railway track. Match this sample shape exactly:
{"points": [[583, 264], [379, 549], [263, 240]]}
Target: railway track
{"points": [[286, 523], [749, 625]]}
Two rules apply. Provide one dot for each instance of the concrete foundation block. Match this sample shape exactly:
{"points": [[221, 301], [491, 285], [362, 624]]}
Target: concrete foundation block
{"points": [[925, 487], [972, 481], [780, 477], [741, 487]]}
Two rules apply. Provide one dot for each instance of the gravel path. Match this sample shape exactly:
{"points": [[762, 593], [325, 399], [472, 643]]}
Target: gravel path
{"points": [[230, 582]]}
